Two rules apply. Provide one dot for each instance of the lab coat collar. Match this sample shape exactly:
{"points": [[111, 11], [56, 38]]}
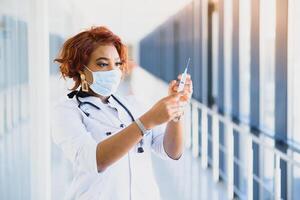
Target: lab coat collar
{"points": [[97, 101], [94, 100], [113, 103]]}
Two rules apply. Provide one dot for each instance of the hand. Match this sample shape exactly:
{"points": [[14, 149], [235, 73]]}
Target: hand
{"points": [[187, 91], [163, 111]]}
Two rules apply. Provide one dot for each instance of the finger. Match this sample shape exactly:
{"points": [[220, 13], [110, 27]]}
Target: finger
{"points": [[172, 83], [185, 86], [176, 111], [187, 93], [185, 98], [188, 90], [171, 106], [177, 114], [188, 81], [175, 96], [174, 102], [175, 89], [188, 86], [177, 105], [173, 86], [188, 76]]}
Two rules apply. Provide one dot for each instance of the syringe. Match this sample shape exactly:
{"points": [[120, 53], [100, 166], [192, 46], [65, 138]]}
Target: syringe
{"points": [[183, 77], [182, 83]]}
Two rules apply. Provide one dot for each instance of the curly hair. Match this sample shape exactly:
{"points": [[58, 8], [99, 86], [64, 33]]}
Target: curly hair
{"points": [[77, 50]]}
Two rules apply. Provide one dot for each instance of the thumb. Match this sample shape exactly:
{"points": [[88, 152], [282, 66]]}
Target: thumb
{"points": [[176, 95], [172, 83]]}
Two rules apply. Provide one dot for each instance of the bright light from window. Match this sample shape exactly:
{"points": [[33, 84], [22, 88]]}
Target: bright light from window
{"points": [[267, 64]]}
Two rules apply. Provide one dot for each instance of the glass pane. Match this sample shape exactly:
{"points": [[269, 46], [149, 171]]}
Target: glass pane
{"points": [[14, 134], [296, 180], [215, 56], [294, 73], [244, 54], [244, 74], [267, 61], [244, 154], [227, 53], [268, 169], [294, 92]]}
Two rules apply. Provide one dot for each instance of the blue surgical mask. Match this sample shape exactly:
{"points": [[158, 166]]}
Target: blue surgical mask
{"points": [[105, 83]]}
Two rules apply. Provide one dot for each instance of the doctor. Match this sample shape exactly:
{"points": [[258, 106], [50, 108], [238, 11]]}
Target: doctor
{"points": [[108, 137]]}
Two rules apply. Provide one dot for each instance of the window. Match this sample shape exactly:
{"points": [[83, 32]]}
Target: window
{"points": [[267, 89], [215, 55], [267, 64], [294, 72], [293, 89], [14, 134], [227, 54], [244, 88], [2, 79], [228, 9], [267, 163], [244, 55]]}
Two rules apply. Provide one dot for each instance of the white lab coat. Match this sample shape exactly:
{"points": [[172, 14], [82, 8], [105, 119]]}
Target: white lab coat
{"points": [[131, 177]]}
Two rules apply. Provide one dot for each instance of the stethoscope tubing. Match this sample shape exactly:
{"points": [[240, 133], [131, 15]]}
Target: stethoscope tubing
{"points": [[81, 103]]}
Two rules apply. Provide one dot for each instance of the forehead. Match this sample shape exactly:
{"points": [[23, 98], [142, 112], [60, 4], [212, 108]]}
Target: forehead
{"points": [[108, 51]]}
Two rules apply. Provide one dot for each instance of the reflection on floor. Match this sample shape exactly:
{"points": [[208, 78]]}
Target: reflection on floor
{"points": [[186, 180]]}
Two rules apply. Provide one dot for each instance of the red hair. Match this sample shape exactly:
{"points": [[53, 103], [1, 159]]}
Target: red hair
{"points": [[77, 50]]}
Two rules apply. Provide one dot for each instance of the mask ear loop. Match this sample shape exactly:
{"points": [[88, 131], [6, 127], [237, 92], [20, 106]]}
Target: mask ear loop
{"points": [[88, 69]]}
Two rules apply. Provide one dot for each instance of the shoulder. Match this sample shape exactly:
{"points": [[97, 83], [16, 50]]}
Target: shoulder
{"points": [[65, 103], [64, 107]]}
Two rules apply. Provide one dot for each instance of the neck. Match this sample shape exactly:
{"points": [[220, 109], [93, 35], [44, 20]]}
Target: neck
{"points": [[104, 99]]}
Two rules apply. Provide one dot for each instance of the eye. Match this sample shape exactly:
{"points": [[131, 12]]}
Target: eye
{"points": [[118, 63], [102, 64]]}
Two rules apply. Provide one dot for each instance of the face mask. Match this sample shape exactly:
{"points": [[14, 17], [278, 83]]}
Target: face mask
{"points": [[105, 83]]}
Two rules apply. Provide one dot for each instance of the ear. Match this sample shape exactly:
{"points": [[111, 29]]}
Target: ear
{"points": [[124, 74]]}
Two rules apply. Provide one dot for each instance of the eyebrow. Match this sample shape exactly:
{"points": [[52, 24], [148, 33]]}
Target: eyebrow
{"points": [[104, 58]]}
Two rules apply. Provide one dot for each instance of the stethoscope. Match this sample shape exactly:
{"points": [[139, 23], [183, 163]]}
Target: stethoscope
{"points": [[81, 103]]}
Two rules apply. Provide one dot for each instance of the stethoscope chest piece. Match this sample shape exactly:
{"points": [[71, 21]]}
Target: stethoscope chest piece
{"points": [[140, 150]]}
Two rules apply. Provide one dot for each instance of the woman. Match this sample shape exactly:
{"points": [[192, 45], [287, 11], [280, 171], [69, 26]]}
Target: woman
{"points": [[109, 137]]}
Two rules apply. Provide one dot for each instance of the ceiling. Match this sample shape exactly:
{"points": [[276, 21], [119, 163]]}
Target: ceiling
{"points": [[132, 19]]}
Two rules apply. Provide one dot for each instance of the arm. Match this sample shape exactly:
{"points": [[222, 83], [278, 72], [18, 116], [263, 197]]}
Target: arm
{"points": [[173, 139], [113, 148], [70, 134], [174, 135]]}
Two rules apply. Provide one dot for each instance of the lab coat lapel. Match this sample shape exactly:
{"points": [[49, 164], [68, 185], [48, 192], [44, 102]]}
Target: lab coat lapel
{"points": [[102, 116]]}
